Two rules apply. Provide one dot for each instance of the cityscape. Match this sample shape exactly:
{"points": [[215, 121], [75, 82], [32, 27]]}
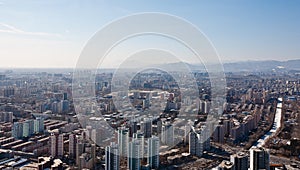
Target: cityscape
{"points": [[149, 85], [258, 128]]}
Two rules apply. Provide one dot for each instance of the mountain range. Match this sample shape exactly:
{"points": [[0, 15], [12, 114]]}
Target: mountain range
{"points": [[248, 66], [268, 65]]}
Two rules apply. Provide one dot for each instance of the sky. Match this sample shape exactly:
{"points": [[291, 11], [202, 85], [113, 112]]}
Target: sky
{"points": [[52, 33]]}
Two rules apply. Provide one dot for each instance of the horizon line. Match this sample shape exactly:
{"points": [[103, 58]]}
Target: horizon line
{"points": [[195, 64]]}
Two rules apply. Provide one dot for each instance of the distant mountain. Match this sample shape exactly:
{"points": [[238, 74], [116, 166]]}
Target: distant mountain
{"points": [[246, 66], [267, 65], [242, 66]]}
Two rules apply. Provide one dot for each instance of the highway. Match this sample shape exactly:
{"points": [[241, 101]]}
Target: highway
{"points": [[275, 128]]}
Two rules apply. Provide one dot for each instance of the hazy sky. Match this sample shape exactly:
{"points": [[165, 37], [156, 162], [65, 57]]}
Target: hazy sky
{"points": [[52, 33]]}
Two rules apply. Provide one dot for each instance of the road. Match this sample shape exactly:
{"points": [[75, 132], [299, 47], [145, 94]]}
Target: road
{"points": [[275, 128]]}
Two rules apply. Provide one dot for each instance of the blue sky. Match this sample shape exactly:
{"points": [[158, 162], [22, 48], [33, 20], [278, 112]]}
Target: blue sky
{"points": [[52, 33]]}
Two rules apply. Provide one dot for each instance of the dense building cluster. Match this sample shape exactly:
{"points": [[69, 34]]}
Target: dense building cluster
{"points": [[41, 127]]}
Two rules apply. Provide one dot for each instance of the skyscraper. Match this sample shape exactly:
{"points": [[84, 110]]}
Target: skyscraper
{"points": [[153, 152], [112, 157], [134, 155], [65, 106], [259, 158], [199, 140], [206, 107], [6, 116], [94, 135], [79, 150], [54, 107], [123, 139], [57, 145], [26, 132], [53, 145], [227, 126], [133, 128], [17, 130], [60, 145], [187, 129], [201, 106], [38, 125], [88, 132], [205, 136], [167, 135], [240, 161], [196, 146], [72, 146], [88, 157], [85, 154], [146, 127], [219, 134], [139, 136], [28, 128], [159, 126], [65, 96]]}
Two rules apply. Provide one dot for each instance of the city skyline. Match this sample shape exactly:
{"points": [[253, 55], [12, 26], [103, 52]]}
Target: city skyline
{"points": [[258, 128]]}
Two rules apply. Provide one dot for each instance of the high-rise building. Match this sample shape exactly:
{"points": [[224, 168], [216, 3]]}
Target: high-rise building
{"points": [[88, 132], [54, 107], [94, 136], [79, 150], [134, 155], [6, 116], [227, 126], [26, 132], [187, 130], [57, 145], [17, 130], [153, 152], [38, 125], [196, 145], [201, 106], [167, 135], [85, 153], [72, 146], [28, 128], [240, 161], [139, 136], [132, 128], [259, 158], [65, 106], [219, 134], [112, 157], [205, 136], [60, 145], [159, 126], [87, 159], [199, 140], [123, 139], [97, 135], [146, 127], [60, 107], [146, 103], [53, 145], [206, 107], [65, 96]]}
